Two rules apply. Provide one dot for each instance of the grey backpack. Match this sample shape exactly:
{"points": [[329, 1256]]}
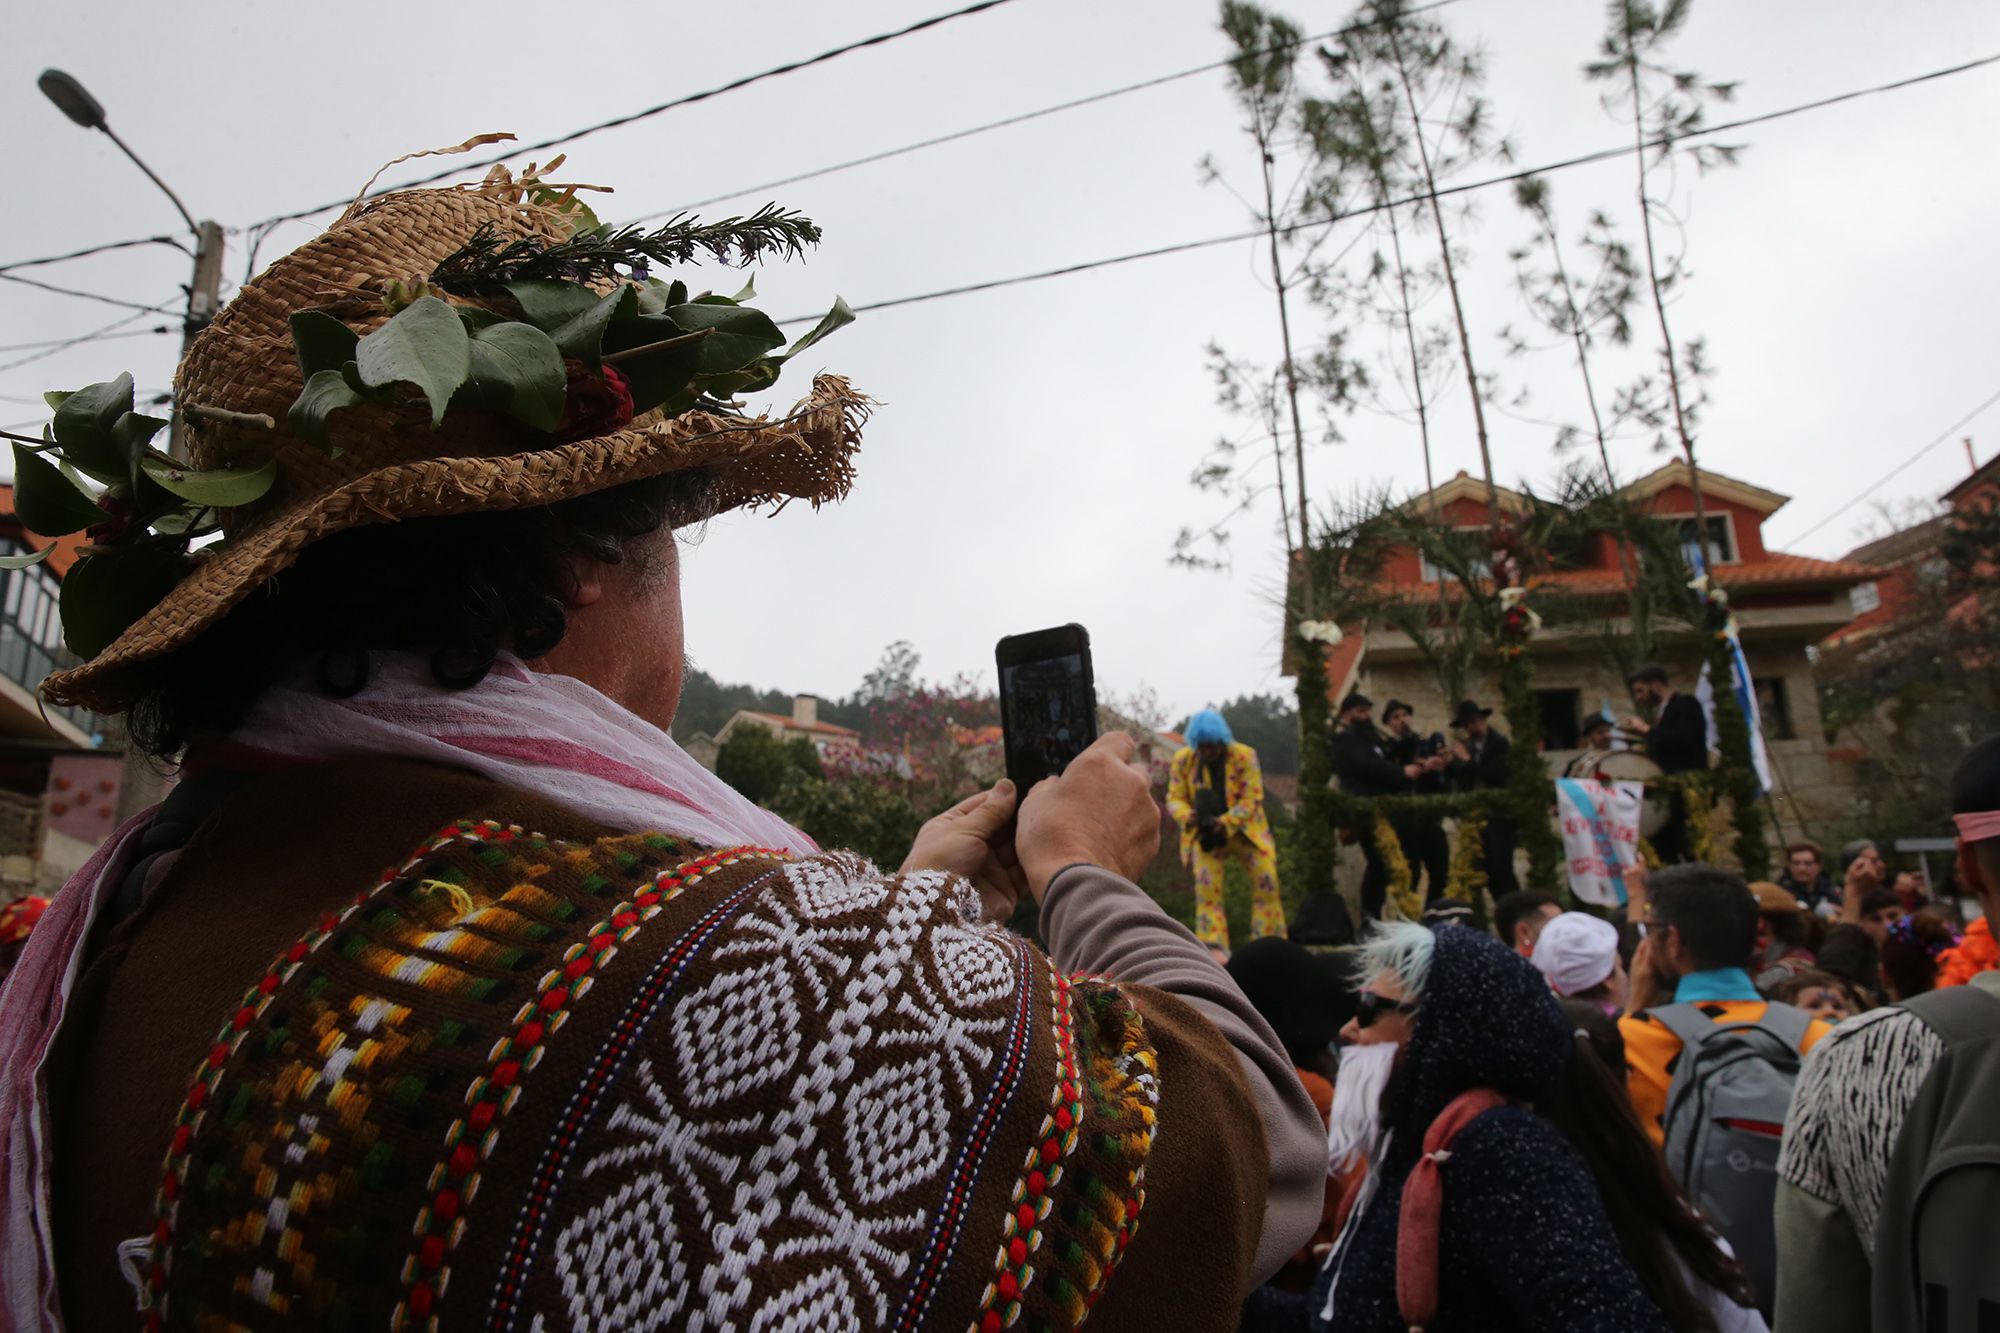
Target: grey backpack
{"points": [[1725, 1118], [1937, 1265]]}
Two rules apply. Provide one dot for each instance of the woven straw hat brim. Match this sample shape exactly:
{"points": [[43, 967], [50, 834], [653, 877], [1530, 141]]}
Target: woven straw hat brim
{"points": [[388, 463], [805, 454]]}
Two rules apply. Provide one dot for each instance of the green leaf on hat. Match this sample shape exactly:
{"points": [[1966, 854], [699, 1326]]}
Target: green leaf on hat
{"points": [[107, 590], [325, 393], [222, 488], [134, 433], [519, 366], [741, 335], [582, 335], [549, 304], [837, 318], [323, 342], [83, 423], [23, 561], [425, 345], [46, 502]]}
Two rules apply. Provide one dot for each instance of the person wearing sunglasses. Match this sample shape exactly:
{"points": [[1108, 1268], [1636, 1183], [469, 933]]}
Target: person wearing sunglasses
{"points": [[1523, 1240]]}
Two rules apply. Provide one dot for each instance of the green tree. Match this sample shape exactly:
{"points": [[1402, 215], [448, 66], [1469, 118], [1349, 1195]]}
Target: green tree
{"points": [[1390, 68], [878, 820], [758, 762], [1663, 103], [1579, 309], [1268, 724]]}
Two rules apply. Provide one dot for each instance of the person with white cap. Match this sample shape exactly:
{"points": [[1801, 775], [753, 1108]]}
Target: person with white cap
{"points": [[1578, 953]]}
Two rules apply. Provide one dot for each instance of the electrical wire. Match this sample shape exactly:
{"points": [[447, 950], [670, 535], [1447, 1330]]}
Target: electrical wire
{"points": [[1443, 191], [97, 250], [97, 337], [79, 340], [1901, 467], [1023, 117], [87, 296], [733, 85]]}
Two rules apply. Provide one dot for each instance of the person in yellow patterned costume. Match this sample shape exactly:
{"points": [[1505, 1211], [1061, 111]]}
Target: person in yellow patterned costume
{"points": [[1216, 795]]}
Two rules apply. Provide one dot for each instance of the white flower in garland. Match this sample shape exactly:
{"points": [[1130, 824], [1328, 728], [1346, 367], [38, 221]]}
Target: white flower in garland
{"points": [[1512, 597], [1320, 631]]}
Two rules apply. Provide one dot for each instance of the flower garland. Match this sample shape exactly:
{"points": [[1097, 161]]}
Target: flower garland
{"points": [[1402, 880], [1700, 806], [1466, 878]]}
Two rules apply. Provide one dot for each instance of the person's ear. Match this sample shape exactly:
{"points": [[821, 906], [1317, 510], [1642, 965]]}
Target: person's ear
{"points": [[585, 583]]}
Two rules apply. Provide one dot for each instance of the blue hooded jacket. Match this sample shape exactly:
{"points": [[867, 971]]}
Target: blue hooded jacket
{"points": [[1525, 1242]]}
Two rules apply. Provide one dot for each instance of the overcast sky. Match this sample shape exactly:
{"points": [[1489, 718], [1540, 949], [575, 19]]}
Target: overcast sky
{"points": [[1029, 462]]}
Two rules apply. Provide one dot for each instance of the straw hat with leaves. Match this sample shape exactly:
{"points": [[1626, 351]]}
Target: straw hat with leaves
{"points": [[434, 352]]}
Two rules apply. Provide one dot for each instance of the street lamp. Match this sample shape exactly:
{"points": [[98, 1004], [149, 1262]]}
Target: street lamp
{"points": [[74, 100], [140, 785]]}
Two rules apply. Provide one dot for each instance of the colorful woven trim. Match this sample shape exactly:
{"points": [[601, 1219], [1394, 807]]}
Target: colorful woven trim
{"points": [[1021, 1237], [318, 1124], [194, 1108], [471, 1137], [1086, 1176]]}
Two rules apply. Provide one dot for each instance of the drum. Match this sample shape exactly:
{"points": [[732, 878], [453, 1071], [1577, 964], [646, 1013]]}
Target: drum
{"points": [[1628, 766]]}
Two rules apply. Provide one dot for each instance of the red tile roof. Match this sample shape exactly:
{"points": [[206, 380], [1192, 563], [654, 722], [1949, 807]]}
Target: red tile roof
{"points": [[65, 553], [785, 720], [1777, 569]]}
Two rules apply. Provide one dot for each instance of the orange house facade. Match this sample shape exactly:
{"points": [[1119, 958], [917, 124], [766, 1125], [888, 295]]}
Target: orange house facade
{"points": [[1784, 604]]}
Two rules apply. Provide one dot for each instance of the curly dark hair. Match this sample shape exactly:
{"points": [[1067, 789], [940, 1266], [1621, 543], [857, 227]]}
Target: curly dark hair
{"points": [[462, 589]]}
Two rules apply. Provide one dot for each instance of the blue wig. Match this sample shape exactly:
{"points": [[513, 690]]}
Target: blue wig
{"points": [[1207, 726]]}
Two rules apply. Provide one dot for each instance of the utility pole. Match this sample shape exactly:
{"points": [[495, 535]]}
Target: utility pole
{"points": [[141, 783], [204, 299]]}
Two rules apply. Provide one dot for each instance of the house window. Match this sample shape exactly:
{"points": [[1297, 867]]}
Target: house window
{"points": [[1473, 542], [1560, 709], [1721, 539], [1774, 702], [1865, 598]]}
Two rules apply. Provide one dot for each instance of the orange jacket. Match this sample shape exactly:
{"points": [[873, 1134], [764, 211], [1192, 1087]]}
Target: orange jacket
{"points": [[1976, 953]]}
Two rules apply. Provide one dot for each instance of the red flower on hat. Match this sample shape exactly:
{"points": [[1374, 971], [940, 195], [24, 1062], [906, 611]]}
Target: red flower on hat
{"points": [[597, 402], [119, 513]]}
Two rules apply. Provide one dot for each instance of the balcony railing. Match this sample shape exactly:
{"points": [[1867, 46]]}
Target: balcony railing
{"points": [[31, 639]]}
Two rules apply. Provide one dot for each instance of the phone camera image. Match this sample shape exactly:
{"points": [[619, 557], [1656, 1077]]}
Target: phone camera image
{"points": [[1054, 716], [1048, 701]]}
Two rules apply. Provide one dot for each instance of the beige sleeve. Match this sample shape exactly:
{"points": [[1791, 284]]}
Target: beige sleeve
{"points": [[1100, 923], [1823, 1273]]}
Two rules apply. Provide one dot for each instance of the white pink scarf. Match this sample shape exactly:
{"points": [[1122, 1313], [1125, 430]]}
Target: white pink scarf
{"points": [[550, 735]]}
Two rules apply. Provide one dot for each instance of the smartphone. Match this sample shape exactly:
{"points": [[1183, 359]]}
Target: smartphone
{"points": [[1048, 701]]}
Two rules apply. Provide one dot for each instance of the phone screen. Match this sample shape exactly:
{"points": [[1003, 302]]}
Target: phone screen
{"points": [[1048, 701]]}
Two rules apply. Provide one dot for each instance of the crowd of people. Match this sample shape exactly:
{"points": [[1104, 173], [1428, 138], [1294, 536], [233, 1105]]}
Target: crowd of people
{"points": [[1731, 1106]]}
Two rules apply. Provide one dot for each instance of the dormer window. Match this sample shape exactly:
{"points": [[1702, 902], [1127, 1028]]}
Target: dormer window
{"points": [[1722, 548]]}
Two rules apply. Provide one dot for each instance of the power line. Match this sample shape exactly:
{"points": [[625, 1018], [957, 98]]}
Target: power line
{"points": [[1903, 466], [1024, 117], [734, 84], [93, 337], [87, 296], [1582, 159], [81, 338], [94, 250]]}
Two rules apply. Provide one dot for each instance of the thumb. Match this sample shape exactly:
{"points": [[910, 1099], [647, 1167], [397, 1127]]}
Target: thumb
{"points": [[990, 815]]}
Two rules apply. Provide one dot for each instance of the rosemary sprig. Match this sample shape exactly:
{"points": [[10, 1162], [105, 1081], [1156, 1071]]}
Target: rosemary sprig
{"points": [[488, 260]]}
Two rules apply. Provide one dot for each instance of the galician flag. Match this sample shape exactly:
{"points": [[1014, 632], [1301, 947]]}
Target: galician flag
{"points": [[1746, 699]]}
